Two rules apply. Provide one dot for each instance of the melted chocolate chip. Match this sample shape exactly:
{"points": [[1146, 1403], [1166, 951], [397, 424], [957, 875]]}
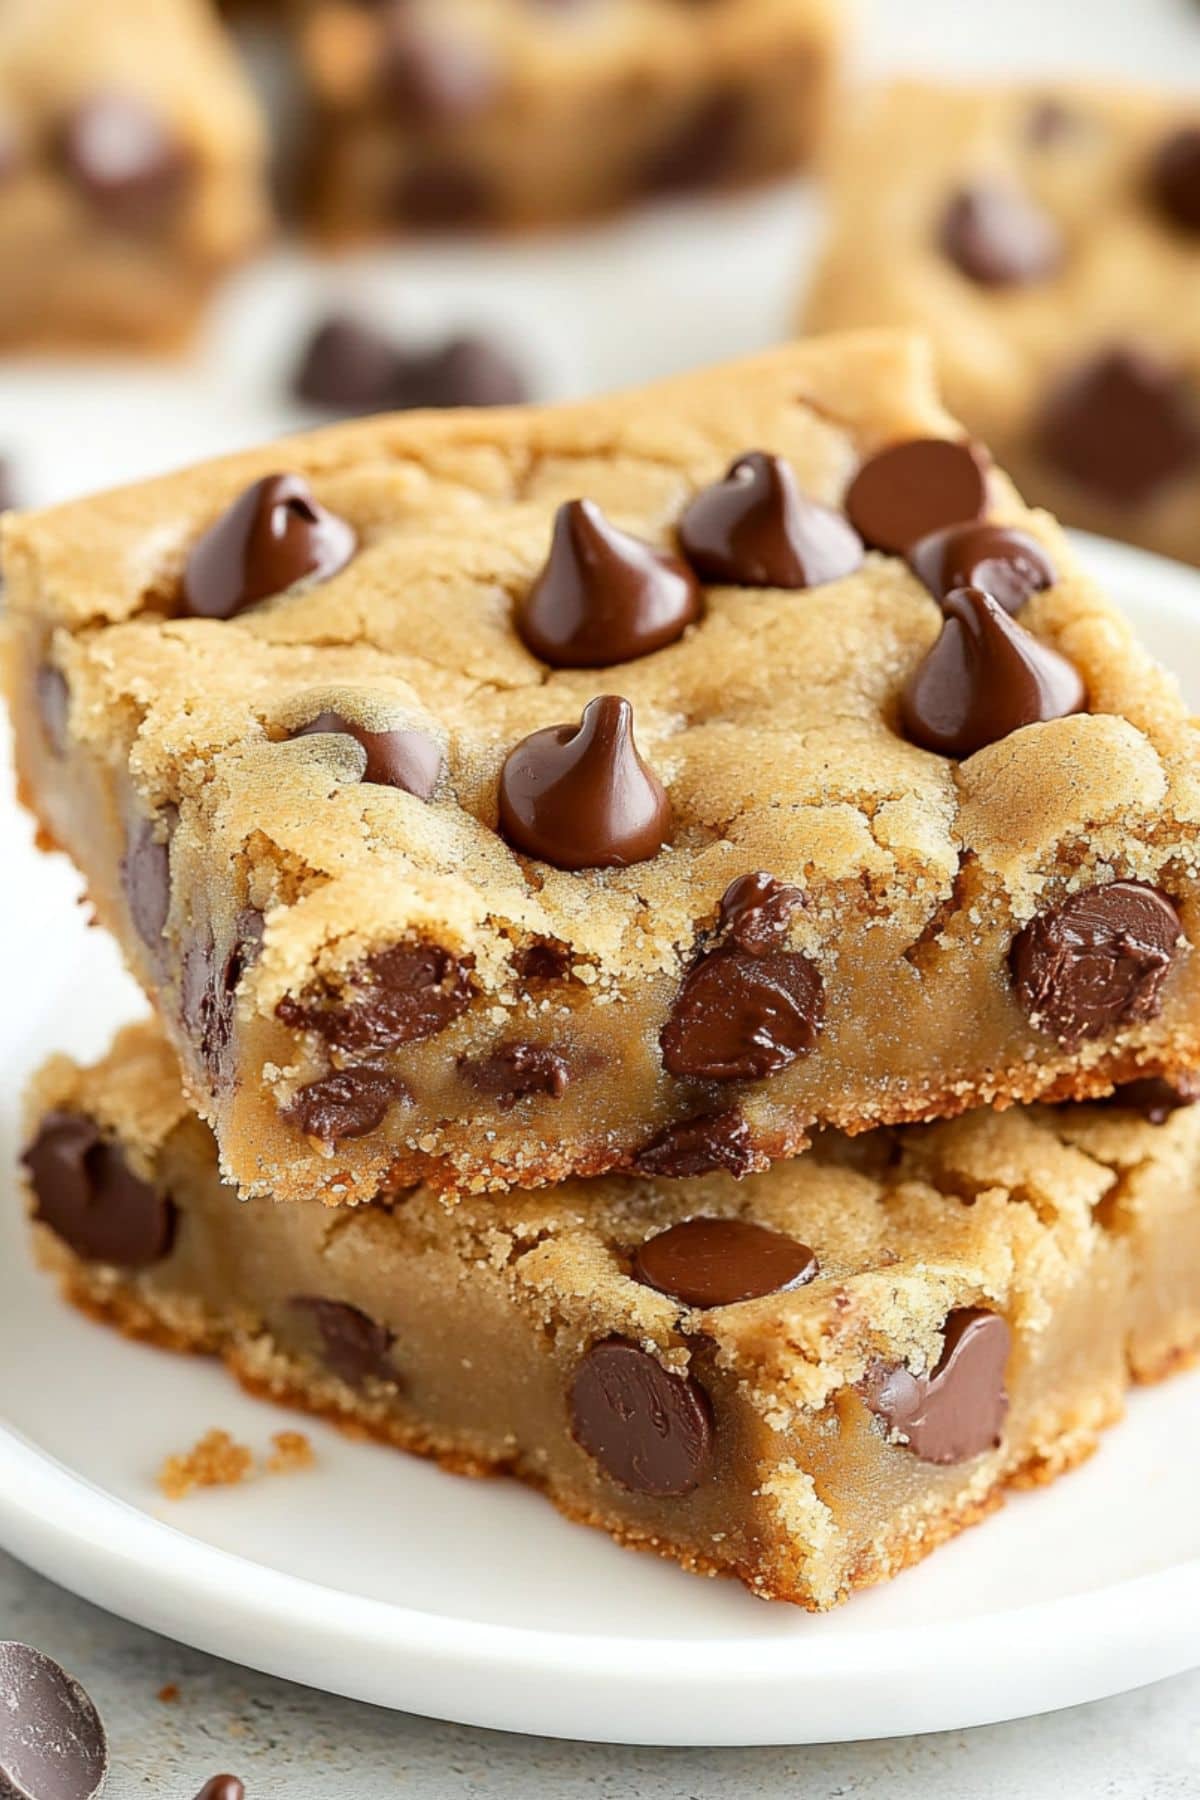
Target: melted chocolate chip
{"points": [[273, 536], [208, 992], [349, 1103], [124, 161], [1175, 180], [433, 77], [604, 597], [742, 1016], [146, 874], [1006, 563], [719, 1262], [581, 797], [401, 995], [700, 1146], [54, 705], [652, 1431], [353, 1346], [52, 1742], [755, 528], [1156, 1098], [957, 1410], [905, 492], [998, 237], [543, 962], [1123, 425], [440, 194], [222, 1787], [515, 1071], [985, 677], [1097, 962], [701, 149], [756, 911], [411, 760], [85, 1192]]}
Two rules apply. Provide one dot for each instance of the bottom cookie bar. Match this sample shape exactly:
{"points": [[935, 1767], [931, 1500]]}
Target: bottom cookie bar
{"points": [[808, 1379]]}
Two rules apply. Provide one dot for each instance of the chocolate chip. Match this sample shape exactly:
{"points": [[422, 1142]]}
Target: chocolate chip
{"points": [[542, 962], [998, 237], [464, 371], [349, 1103], [222, 1787], [52, 1743], [124, 161], [581, 797], [700, 1146], [274, 535], [756, 911], [1175, 179], [411, 760], [86, 1193], [1155, 1097], [146, 874], [649, 1429], [347, 366], [515, 1071], [604, 597], [54, 705], [438, 195], [700, 149], [353, 1346], [1097, 962], [756, 529], [1006, 563], [742, 1016], [718, 1262], [985, 677], [208, 991], [1123, 424], [957, 1410], [400, 995], [433, 77], [905, 492]]}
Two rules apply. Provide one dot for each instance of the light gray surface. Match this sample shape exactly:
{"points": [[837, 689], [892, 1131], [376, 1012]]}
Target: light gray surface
{"points": [[288, 1743]]}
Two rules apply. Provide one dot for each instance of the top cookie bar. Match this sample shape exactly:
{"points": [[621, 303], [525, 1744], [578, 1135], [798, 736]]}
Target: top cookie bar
{"points": [[485, 798]]}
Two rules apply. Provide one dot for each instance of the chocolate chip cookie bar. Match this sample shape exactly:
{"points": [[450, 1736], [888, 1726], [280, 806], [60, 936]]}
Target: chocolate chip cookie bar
{"points": [[1050, 243], [453, 113], [808, 1379], [131, 169], [493, 797]]}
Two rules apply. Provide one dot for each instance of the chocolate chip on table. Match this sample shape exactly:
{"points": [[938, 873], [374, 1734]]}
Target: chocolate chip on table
{"points": [[348, 1103], [401, 995], [1097, 962], [464, 371], [756, 911], [354, 1347], [432, 77], [719, 1262], [915, 487], [146, 874], [516, 1071], [54, 705], [1123, 424], [957, 1410], [85, 1191], [411, 760], [581, 797], [222, 1787], [273, 536], [124, 161], [1006, 563], [1155, 1097], [602, 596], [348, 366], [699, 1146], [52, 1742], [998, 237], [649, 1429], [1175, 179], [985, 677], [439, 194], [208, 986], [755, 528], [702, 148]]}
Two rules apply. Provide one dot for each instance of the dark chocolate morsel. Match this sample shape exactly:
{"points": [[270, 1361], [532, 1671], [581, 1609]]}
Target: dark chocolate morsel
{"points": [[146, 874], [123, 160], [756, 911], [604, 597], [699, 1146], [741, 1016], [998, 237], [956, 1410], [1006, 563], [984, 678], [274, 535], [515, 1071], [399, 996], [222, 1787], [411, 760], [1097, 962], [208, 986], [347, 366], [649, 1429], [1175, 179], [915, 487], [719, 1262], [52, 1741], [700, 149], [755, 528], [1123, 425], [543, 962], [85, 1191], [464, 371], [1155, 1097], [349, 1103], [354, 1347], [581, 797], [54, 705]]}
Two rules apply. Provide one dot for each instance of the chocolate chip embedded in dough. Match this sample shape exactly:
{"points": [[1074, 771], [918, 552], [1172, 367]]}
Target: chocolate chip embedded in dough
{"points": [[1097, 962], [1156, 1097], [399, 996], [754, 528], [274, 535], [348, 1103], [1124, 424], [915, 487], [650, 1429], [756, 910], [707, 1262], [146, 873], [411, 760], [957, 1410], [1006, 563], [85, 1191], [998, 237], [741, 1016], [354, 1347], [516, 1072], [699, 1146]]}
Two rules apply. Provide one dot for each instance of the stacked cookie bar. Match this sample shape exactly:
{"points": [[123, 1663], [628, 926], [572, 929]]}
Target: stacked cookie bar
{"points": [[652, 872]]}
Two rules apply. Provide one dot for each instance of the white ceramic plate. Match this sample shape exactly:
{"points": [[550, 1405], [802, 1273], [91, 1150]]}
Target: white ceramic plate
{"points": [[377, 1576]]}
